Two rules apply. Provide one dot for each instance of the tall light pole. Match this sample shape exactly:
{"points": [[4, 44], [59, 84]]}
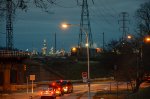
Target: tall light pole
{"points": [[64, 26]]}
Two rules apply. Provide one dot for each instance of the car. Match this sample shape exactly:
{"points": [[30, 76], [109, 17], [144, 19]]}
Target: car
{"points": [[147, 78], [66, 85], [58, 88], [48, 93]]}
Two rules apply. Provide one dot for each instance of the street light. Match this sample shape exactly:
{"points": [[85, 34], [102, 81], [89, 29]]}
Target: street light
{"points": [[65, 26], [147, 39]]}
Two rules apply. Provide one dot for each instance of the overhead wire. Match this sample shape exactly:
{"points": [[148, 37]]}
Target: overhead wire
{"points": [[106, 13], [112, 11], [100, 14], [60, 5]]}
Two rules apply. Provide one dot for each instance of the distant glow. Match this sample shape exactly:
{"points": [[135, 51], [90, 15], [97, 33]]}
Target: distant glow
{"points": [[98, 50]]}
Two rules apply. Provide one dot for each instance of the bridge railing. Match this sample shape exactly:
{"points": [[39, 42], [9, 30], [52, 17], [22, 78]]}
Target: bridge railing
{"points": [[7, 53]]}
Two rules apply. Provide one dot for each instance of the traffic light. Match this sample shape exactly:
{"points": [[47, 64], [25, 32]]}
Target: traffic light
{"points": [[25, 67]]}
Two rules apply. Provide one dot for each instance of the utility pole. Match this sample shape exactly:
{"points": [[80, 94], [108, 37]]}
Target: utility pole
{"points": [[124, 27], [85, 37]]}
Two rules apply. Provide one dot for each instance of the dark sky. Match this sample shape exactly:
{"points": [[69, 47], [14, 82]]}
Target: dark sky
{"points": [[35, 25]]}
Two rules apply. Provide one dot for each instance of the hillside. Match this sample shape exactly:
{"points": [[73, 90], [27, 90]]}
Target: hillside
{"points": [[71, 69]]}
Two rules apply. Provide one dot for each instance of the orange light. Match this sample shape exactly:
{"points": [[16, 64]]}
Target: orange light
{"points": [[74, 49], [129, 36], [147, 39], [98, 50], [25, 67], [41, 93]]}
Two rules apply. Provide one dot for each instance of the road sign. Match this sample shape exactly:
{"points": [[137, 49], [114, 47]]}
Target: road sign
{"points": [[32, 77], [84, 74]]}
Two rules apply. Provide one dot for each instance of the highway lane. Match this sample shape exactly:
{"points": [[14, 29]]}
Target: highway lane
{"points": [[80, 90]]}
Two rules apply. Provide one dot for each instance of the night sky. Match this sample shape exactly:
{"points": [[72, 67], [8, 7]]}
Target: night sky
{"points": [[35, 25]]}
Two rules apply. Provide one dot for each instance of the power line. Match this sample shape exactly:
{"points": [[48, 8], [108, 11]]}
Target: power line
{"points": [[112, 12], [101, 14], [60, 5]]}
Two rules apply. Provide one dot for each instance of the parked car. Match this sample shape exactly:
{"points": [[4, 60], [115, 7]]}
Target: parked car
{"points": [[48, 93], [66, 85]]}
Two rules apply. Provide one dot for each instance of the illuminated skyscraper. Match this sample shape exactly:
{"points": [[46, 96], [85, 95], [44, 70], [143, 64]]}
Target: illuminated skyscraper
{"points": [[44, 49]]}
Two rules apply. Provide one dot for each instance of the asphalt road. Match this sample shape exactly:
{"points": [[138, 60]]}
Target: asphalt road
{"points": [[80, 91]]}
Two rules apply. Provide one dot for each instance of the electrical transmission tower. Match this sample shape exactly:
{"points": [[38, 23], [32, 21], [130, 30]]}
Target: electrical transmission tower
{"points": [[124, 27], [9, 25], [85, 26]]}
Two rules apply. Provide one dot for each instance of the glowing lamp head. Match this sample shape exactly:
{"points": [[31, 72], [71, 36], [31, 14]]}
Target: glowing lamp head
{"points": [[147, 39], [64, 25], [129, 37]]}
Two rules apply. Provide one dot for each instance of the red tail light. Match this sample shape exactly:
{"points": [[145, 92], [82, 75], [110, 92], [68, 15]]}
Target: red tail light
{"points": [[53, 83], [58, 88]]}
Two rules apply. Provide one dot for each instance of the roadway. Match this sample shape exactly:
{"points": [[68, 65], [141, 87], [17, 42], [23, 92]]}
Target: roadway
{"points": [[80, 91]]}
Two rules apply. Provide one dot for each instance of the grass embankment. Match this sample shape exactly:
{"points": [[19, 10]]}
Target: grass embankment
{"points": [[123, 94], [73, 69], [142, 94]]}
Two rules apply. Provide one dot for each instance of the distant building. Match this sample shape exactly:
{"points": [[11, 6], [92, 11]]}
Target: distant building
{"points": [[44, 49], [81, 53]]}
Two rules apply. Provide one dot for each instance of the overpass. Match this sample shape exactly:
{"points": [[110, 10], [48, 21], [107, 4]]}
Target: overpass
{"points": [[11, 68]]}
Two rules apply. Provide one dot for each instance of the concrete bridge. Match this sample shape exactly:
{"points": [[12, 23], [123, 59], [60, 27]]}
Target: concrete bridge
{"points": [[17, 66], [11, 68]]}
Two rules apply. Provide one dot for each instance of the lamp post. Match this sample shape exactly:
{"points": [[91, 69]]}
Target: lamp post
{"points": [[64, 26]]}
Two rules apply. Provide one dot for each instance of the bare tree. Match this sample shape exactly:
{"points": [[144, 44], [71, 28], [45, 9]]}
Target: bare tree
{"points": [[143, 16], [24, 4]]}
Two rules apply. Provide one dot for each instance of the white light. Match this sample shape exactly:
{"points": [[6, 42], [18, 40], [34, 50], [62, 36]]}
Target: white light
{"points": [[64, 25], [86, 44]]}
